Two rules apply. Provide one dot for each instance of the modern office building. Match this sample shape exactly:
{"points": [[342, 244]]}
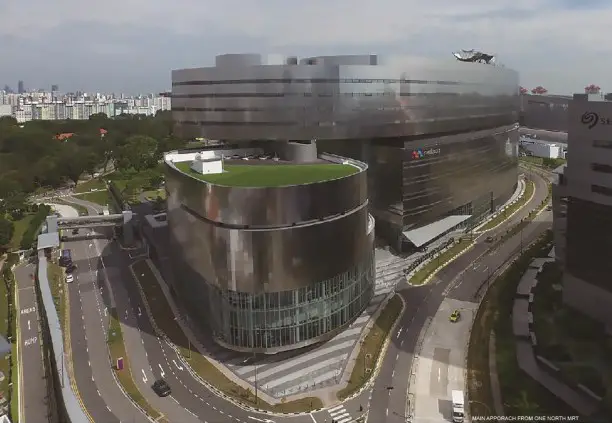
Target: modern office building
{"points": [[549, 112], [582, 208], [439, 137], [272, 251], [540, 148]]}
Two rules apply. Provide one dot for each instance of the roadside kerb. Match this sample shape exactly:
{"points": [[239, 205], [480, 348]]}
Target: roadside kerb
{"points": [[513, 213], [220, 394], [440, 267], [111, 367], [410, 397], [522, 188], [481, 295], [195, 375], [20, 401], [68, 353], [383, 350]]}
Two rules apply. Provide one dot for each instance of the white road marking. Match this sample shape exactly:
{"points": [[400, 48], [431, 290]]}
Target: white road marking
{"points": [[139, 312], [177, 366], [30, 341], [144, 376], [28, 325], [105, 311], [28, 310], [161, 369], [399, 332], [312, 417]]}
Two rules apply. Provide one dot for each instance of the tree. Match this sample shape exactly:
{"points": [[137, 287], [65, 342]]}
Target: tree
{"points": [[138, 153], [6, 231]]}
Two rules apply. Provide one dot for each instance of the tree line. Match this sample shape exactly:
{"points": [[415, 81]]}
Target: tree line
{"points": [[41, 155]]}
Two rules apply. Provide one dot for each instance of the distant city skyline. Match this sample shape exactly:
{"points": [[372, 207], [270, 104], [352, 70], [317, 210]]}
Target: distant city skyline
{"points": [[554, 43]]}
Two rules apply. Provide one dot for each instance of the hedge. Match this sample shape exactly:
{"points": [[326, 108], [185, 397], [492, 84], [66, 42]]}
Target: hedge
{"points": [[29, 236]]}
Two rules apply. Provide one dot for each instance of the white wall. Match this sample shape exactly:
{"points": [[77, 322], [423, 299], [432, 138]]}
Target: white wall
{"points": [[207, 167]]}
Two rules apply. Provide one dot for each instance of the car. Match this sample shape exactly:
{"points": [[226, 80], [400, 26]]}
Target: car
{"points": [[455, 316], [161, 388], [69, 278], [489, 239], [75, 231], [549, 208]]}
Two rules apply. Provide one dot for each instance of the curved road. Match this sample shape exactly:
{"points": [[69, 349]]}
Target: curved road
{"points": [[387, 400]]}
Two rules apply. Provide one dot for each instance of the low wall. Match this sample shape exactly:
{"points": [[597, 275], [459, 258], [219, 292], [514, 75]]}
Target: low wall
{"points": [[68, 407]]}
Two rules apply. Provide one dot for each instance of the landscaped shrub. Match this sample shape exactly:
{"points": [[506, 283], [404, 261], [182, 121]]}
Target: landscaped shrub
{"points": [[579, 326], [29, 236]]}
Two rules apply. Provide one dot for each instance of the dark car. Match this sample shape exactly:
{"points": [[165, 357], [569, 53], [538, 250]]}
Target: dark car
{"points": [[161, 388], [75, 231]]}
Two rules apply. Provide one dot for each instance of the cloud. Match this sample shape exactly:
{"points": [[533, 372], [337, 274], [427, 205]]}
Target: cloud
{"points": [[556, 43]]}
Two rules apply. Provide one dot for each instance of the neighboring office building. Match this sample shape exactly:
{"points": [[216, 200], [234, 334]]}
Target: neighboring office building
{"points": [[275, 267], [548, 112], [6, 110], [440, 138], [582, 204]]}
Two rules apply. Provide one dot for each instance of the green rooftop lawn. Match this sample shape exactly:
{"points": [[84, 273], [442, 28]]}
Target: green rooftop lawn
{"points": [[274, 175]]}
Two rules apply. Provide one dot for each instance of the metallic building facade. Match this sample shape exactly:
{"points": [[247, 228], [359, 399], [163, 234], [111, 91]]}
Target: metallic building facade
{"points": [[272, 269], [377, 110], [545, 112]]}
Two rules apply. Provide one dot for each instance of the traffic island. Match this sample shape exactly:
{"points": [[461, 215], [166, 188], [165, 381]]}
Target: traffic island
{"points": [[520, 394], [509, 211], [371, 348], [122, 370], [164, 321], [425, 273]]}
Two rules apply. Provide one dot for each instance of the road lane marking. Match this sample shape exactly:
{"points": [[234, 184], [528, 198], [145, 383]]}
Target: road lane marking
{"points": [[161, 369], [28, 310], [29, 325], [144, 376], [177, 366], [139, 312], [30, 341], [399, 332], [312, 417]]}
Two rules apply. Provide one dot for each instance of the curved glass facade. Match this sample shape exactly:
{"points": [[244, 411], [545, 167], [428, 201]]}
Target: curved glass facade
{"points": [[275, 320]]}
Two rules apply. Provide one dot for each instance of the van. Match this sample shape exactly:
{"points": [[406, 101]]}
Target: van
{"points": [[458, 410]]}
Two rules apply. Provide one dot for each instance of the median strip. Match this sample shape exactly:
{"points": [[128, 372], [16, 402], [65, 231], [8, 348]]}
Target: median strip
{"points": [[123, 371], [425, 273], [371, 348], [511, 209], [161, 314]]}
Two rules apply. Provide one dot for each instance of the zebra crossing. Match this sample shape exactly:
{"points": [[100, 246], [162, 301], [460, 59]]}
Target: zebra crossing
{"points": [[339, 414], [284, 374]]}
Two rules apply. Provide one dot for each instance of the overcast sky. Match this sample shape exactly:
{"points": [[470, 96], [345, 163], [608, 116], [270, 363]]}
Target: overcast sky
{"points": [[131, 45]]}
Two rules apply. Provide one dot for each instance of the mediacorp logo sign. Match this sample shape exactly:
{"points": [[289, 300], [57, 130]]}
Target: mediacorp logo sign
{"points": [[419, 153], [592, 119]]}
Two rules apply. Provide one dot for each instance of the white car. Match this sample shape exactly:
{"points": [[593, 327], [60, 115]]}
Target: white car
{"points": [[69, 278]]}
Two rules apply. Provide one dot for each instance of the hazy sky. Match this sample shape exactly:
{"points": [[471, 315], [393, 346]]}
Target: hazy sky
{"points": [[131, 45]]}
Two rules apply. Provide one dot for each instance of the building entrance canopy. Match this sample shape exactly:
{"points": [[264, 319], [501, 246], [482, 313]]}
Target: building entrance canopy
{"points": [[424, 234]]}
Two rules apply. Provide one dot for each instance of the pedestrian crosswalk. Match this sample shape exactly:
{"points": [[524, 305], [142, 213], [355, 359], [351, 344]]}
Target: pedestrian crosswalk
{"points": [[339, 414]]}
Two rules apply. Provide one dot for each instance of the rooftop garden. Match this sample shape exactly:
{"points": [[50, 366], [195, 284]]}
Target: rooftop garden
{"points": [[273, 175]]}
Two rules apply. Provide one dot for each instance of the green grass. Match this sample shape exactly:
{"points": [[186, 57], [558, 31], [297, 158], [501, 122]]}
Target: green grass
{"points": [[432, 266], [521, 395], [152, 195], [56, 283], [273, 175], [371, 347], [529, 189], [91, 185], [116, 348], [98, 197], [21, 226], [4, 362], [164, 318], [15, 387]]}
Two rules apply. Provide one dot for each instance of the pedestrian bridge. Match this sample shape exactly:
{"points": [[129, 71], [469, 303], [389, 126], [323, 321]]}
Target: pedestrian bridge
{"points": [[123, 219]]}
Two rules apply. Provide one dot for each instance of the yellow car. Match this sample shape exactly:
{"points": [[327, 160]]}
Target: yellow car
{"points": [[455, 316]]}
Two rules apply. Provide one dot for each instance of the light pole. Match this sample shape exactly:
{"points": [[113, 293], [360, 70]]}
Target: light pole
{"points": [[255, 362]]}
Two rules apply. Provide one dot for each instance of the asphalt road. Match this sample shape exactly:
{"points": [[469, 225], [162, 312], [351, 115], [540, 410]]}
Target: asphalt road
{"points": [[32, 383], [387, 402], [92, 208], [99, 391]]}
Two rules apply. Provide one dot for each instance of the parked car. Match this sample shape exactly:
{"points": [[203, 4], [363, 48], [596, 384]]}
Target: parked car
{"points": [[161, 388], [455, 316]]}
